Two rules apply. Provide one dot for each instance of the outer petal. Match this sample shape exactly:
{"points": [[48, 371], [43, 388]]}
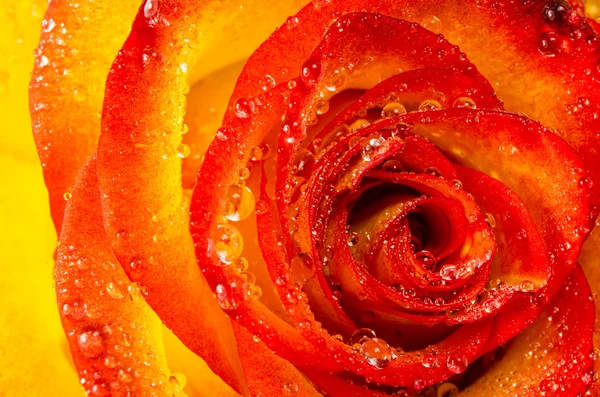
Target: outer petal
{"points": [[590, 263], [140, 171], [33, 356], [110, 328], [554, 356], [67, 86]]}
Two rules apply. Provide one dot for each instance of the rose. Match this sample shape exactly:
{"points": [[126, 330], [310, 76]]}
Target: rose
{"points": [[129, 146]]}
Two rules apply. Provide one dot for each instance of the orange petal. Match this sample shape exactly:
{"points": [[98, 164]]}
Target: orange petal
{"points": [[67, 87], [110, 328]]}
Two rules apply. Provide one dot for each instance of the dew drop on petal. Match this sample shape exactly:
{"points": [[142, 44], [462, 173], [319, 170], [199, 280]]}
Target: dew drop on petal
{"points": [[433, 171], [302, 267], [526, 286], [426, 259], [393, 109], [432, 23], [464, 102], [243, 107], [91, 343], [228, 243], [261, 207], [231, 294], [183, 150], [311, 71], [457, 363], [429, 104], [358, 124], [447, 390], [150, 8], [490, 220], [177, 381], [392, 166], [241, 264], [376, 351], [241, 203], [74, 311], [352, 239], [361, 334], [429, 360]]}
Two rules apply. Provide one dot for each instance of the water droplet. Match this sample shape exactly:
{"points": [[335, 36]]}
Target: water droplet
{"points": [[429, 104], [177, 380], [336, 81], [367, 151], [99, 390], [361, 335], [302, 267], [418, 384], [586, 182], [43, 61], [358, 124], [464, 102], [393, 109], [376, 351], [429, 360], [110, 362], [457, 183], [291, 388], [447, 390], [261, 207], [150, 8], [392, 166], [433, 171], [449, 272], [232, 294], [243, 107], [267, 82], [113, 291], [490, 220], [241, 264], [426, 259], [254, 291], [555, 12], [457, 363], [548, 387], [124, 376], [311, 71], [526, 286], [249, 277], [183, 150], [240, 202], [48, 25], [135, 292], [548, 44], [322, 107], [67, 196], [74, 311], [326, 253], [432, 23], [352, 239], [91, 343], [490, 305], [228, 243]]}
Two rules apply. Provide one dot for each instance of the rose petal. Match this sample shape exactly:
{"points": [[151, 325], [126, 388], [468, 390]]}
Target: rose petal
{"points": [[67, 87], [110, 329]]}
